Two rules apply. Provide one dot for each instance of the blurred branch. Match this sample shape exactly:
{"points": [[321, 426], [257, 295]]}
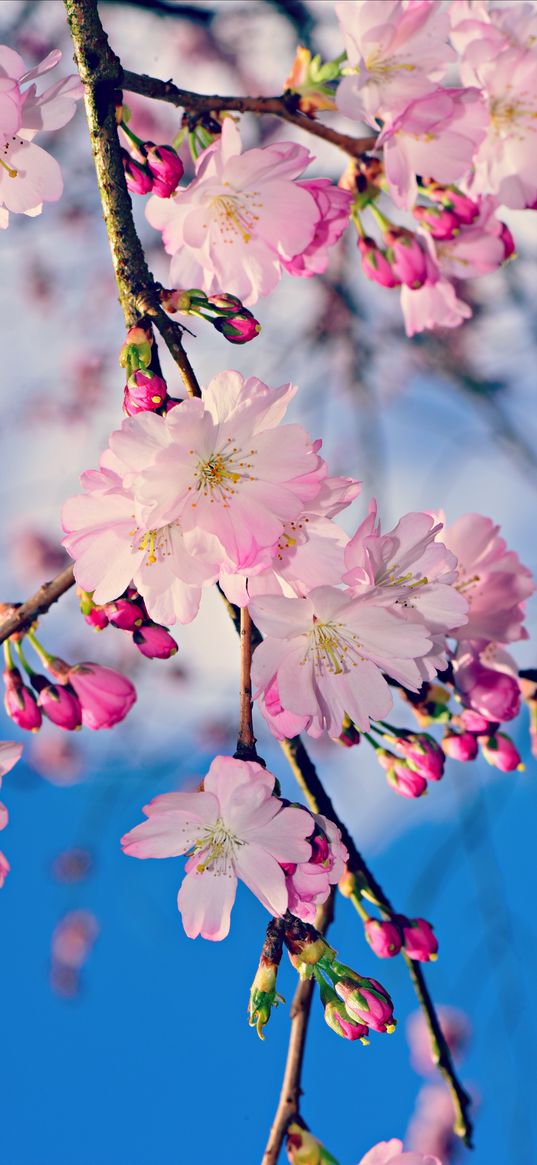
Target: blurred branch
{"points": [[284, 107], [291, 1090], [190, 12]]}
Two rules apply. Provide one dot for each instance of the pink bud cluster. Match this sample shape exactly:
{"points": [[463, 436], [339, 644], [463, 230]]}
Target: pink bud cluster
{"points": [[78, 694], [419, 759], [414, 936], [224, 311], [129, 613], [152, 169]]}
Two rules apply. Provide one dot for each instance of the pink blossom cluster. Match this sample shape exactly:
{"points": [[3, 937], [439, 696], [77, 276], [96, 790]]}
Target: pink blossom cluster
{"points": [[236, 828], [29, 176], [451, 155]]}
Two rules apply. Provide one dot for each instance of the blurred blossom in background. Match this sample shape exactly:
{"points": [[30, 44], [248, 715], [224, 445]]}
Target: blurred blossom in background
{"points": [[123, 1040]]}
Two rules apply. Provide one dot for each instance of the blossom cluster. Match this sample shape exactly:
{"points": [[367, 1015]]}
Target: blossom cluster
{"points": [[29, 176]]}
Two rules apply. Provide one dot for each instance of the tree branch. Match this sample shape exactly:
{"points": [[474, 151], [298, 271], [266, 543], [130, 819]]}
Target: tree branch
{"points": [[246, 749], [284, 107], [100, 70], [289, 1102], [22, 616]]}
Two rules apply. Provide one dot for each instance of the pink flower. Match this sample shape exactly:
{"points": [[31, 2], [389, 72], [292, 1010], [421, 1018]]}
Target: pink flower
{"points": [[397, 53], [491, 578], [113, 545], [411, 571], [4, 868], [333, 205], [308, 553], [240, 219], [308, 884], [234, 829], [435, 305], [74, 938], [328, 652], [431, 1128], [29, 176], [476, 249], [283, 724], [505, 163], [384, 937], [500, 752], [391, 1153], [455, 1027], [105, 695], [10, 753], [436, 135], [225, 467]]}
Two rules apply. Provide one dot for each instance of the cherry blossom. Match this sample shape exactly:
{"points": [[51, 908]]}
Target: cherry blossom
{"points": [[328, 652], [235, 828], [435, 305], [244, 216], [491, 578], [391, 1153], [29, 176], [410, 570], [397, 53], [435, 135], [224, 466], [308, 884], [333, 205]]}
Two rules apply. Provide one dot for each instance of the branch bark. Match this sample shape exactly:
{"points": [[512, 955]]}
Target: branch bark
{"points": [[246, 749], [284, 107], [21, 617], [289, 1102]]}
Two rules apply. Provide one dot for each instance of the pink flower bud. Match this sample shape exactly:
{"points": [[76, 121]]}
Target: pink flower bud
{"points": [[461, 746], [410, 263], [406, 781], [338, 1018], [226, 302], [367, 1001], [376, 265], [138, 178], [20, 702], [166, 168], [439, 221], [465, 208], [494, 694], [125, 615], [383, 937], [59, 704], [473, 721], [144, 392], [239, 329], [500, 752], [155, 642], [419, 941], [97, 618], [423, 753], [105, 695]]}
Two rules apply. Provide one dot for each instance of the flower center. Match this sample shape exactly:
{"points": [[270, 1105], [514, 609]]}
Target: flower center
{"points": [[386, 67], [292, 535], [3, 162], [506, 113], [218, 476], [390, 576], [331, 647], [466, 585], [217, 847], [235, 214], [156, 544]]}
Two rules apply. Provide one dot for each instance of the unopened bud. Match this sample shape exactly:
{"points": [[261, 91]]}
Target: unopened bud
{"points": [[165, 167], [263, 994], [136, 351], [144, 392], [461, 746], [305, 1149], [500, 752], [384, 937], [20, 702], [419, 941], [155, 642]]}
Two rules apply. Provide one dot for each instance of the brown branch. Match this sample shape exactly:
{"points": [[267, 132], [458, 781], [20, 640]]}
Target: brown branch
{"points": [[289, 1102], [100, 70], [21, 617], [284, 107], [246, 749]]}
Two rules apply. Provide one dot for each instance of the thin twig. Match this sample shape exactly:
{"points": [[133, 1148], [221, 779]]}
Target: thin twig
{"points": [[21, 617], [285, 107], [289, 1102], [319, 802], [246, 749]]}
